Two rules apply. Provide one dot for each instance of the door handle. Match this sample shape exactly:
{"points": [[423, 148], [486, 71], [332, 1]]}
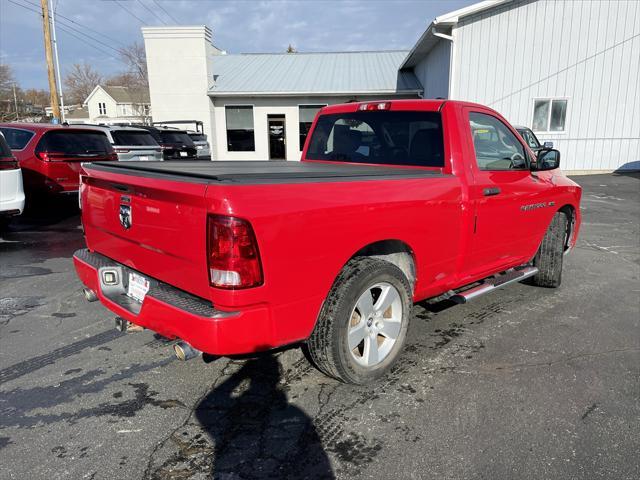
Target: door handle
{"points": [[489, 192]]}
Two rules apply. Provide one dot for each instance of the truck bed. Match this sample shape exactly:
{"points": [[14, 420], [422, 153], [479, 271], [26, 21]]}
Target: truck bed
{"points": [[260, 172]]}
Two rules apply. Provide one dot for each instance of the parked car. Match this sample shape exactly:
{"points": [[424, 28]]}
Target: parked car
{"points": [[527, 134], [393, 202], [201, 143], [11, 190], [175, 143], [132, 143], [50, 155]]}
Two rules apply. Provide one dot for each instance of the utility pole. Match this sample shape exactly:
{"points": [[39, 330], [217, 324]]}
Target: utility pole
{"points": [[53, 91], [15, 100], [55, 52]]}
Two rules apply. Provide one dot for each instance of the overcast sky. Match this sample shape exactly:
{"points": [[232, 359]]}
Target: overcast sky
{"points": [[238, 27]]}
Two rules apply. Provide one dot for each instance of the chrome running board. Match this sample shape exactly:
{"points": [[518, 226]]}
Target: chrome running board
{"points": [[493, 283]]}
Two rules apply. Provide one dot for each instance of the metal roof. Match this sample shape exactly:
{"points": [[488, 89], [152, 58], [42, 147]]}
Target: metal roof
{"points": [[327, 73], [433, 35]]}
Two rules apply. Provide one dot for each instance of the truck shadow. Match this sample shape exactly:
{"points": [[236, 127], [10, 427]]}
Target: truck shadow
{"points": [[256, 432]]}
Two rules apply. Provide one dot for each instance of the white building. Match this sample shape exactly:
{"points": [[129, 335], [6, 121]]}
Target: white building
{"points": [[116, 104], [570, 70], [567, 69]]}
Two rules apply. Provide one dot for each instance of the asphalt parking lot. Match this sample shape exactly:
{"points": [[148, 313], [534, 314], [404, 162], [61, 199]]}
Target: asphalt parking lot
{"points": [[522, 383]]}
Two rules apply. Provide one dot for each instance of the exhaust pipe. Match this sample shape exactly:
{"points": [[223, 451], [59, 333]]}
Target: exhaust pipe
{"points": [[184, 351], [89, 294]]}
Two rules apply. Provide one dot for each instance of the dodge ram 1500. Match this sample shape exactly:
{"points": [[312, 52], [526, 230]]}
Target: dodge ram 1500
{"points": [[392, 203]]}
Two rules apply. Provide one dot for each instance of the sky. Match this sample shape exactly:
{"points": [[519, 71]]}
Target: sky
{"points": [[92, 30]]}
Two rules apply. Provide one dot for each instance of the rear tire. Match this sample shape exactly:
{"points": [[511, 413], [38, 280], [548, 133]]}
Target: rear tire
{"points": [[548, 260], [363, 324]]}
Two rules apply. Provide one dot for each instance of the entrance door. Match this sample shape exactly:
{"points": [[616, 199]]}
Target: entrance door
{"points": [[277, 137]]}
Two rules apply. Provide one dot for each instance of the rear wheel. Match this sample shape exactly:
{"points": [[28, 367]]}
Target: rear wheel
{"points": [[363, 324], [548, 260]]}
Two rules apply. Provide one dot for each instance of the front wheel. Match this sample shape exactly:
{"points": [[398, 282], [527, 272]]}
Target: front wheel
{"points": [[363, 323], [548, 260]]}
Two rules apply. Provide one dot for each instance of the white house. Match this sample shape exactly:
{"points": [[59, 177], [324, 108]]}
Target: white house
{"points": [[118, 104], [569, 70]]}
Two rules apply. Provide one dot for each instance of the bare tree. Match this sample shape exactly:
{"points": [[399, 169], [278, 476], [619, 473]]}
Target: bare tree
{"points": [[135, 58], [6, 80], [80, 81]]}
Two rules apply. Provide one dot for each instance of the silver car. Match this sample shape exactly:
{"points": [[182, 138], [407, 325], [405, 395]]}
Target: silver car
{"points": [[133, 144], [203, 151]]}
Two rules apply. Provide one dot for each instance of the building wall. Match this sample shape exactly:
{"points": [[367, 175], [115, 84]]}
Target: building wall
{"points": [[179, 68], [585, 51], [262, 107], [433, 71]]}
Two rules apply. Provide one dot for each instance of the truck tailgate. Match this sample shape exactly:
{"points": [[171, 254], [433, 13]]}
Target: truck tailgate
{"points": [[157, 227]]}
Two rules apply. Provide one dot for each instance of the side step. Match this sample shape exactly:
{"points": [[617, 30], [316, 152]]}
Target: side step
{"points": [[493, 283]]}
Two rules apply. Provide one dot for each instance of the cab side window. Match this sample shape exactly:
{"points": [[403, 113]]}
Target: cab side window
{"points": [[495, 146]]}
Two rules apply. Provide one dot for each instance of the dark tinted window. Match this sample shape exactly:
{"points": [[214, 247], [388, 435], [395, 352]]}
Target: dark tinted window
{"points": [[198, 137], [175, 137], [72, 142], [5, 151], [131, 137], [240, 137], [16, 138], [379, 137], [497, 148]]}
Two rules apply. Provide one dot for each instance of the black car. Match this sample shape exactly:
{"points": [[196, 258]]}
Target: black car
{"points": [[176, 144], [527, 134]]}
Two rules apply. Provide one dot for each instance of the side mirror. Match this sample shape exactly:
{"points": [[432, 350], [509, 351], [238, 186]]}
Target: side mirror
{"points": [[547, 160], [548, 145]]}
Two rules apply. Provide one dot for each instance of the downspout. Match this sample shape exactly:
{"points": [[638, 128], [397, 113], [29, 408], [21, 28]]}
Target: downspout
{"points": [[451, 58]]}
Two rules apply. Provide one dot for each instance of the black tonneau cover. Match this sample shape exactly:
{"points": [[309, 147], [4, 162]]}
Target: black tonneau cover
{"points": [[259, 172]]}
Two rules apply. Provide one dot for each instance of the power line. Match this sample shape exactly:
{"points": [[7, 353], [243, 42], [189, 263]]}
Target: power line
{"points": [[167, 13], [129, 12], [67, 19], [69, 32], [151, 12]]}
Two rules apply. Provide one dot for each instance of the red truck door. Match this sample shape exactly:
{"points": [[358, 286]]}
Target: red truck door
{"points": [[503, 193]]}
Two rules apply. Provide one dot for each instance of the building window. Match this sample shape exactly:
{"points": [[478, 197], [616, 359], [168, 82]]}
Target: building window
{"points": [[306, 114], [102, 108], [240, 137], [549, 114]]}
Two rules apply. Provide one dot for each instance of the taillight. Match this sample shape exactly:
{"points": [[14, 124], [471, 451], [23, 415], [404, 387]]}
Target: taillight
{"points": [[368, 107], [8, 163], [232, 251], [112, 156]]}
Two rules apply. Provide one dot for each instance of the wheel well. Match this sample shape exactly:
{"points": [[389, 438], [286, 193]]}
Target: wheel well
{"points": [[570, 213], [393, 251]]}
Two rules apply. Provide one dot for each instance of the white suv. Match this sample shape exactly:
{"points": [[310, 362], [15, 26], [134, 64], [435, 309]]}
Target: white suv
{"points": [[11, 189]]}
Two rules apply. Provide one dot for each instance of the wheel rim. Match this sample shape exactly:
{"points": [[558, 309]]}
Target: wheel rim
{"points": [[375, 324]]}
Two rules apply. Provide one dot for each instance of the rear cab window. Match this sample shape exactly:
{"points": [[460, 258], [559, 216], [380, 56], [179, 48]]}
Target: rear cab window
{"points": [[133, 138], [496, 147], [17, 138], [75, 142], [176, 137], [411, 138]]}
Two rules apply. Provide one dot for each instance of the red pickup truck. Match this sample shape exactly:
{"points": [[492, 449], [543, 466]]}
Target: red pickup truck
{"points": [[393, 202]]}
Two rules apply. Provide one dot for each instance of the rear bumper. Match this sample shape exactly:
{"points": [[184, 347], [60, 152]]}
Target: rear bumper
{"points": [[11, 192], [174, 313]]}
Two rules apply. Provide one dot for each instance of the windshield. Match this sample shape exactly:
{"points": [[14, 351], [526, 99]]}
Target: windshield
{"points": [[379, 137], [74, 142], [133, 138], [16, 138], [176, 137]]}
